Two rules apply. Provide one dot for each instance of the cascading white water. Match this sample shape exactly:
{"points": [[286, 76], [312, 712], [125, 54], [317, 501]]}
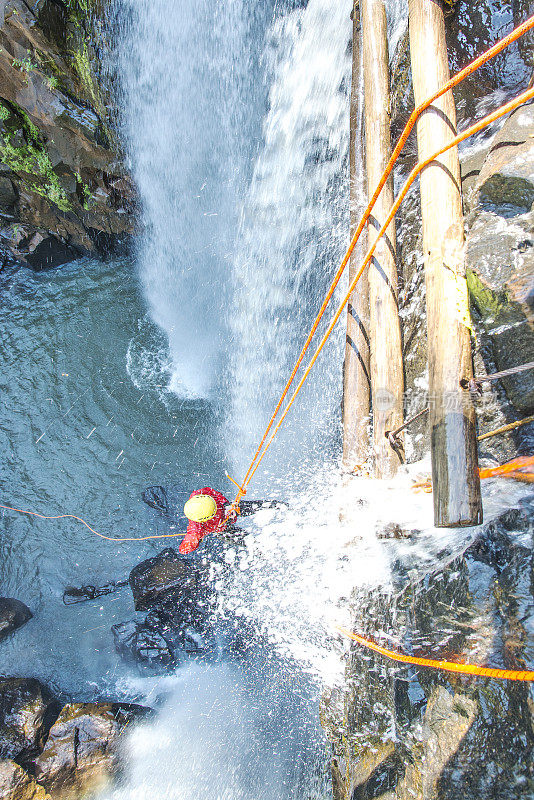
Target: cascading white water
{"points": [[187, 83], [194, 94], [293, 228], [225, 737]]}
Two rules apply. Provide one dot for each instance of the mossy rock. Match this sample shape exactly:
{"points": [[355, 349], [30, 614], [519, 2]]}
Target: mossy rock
{"points": [[511, 336]]}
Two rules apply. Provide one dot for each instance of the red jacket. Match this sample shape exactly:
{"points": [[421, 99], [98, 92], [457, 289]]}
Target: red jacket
{"points": [[197, 530]]}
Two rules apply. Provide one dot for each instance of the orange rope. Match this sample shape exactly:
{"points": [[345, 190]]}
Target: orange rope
{"points": [[510, 466], [454, 81], [448, 666], [505, 109], [109, 538], [523, 477], [509, 470]]}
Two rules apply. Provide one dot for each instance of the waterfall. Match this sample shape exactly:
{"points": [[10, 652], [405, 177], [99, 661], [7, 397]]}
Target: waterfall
{"points": [[236, 122], [293, 228], [243, 223], [187, 76]]}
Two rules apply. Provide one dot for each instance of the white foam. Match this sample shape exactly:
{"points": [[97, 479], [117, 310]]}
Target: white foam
{"points": [[299, 568], [219, 736]]}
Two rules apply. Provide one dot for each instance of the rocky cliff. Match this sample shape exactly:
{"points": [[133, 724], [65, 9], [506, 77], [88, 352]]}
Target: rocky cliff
{"points": [[403, 733], [64, 190]]}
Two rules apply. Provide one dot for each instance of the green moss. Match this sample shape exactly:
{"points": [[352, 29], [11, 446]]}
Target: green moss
{"points": [[29, 157], [24, 64], [496, 306], [84, 190], [80, 7], [81, 61]]}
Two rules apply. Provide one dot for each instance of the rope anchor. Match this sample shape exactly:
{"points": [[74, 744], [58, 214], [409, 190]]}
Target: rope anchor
{"points": [[475, 384]]}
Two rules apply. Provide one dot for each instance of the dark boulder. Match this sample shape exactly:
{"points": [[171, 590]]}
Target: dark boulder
{"points": [[46, 251], [81, 752], [164, 578], [156, 497], [188, 628], [27, 709], [13, 614], [143, 645], [16, 784]]}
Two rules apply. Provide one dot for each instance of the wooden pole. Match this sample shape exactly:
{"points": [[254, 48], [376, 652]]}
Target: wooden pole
{"points": [[457, 499], [356, 371], [387, 379]]}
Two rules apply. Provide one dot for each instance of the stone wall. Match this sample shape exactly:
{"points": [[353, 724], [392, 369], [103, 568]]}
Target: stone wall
{"points": [[498, 189]]}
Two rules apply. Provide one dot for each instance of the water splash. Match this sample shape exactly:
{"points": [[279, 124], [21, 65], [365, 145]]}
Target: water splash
{"points": [[241, 736], [295, 572]]}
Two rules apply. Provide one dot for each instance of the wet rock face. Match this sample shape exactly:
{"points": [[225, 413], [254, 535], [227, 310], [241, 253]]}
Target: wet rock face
{"points": [[59, 752], [16, 784], [63, 187], [166, 577], [13, 614], [500, 250], [27, 710], [470, 29], [143, 645], [81, 750], [498, 188], [402, 732]]}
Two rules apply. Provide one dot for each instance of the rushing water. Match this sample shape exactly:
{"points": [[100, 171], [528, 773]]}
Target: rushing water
{"points": [[163, 370], [237, 134], [292, 231], [191, 86]]}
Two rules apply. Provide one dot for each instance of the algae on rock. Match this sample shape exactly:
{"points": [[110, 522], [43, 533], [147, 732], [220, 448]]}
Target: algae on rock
{"points": [[71, 192]]}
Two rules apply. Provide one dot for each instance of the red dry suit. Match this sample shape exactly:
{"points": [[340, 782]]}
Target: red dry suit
{"points": [[197, 530]]}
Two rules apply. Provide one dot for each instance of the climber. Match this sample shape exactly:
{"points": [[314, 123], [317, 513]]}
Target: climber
{"points": [[206, 511]]}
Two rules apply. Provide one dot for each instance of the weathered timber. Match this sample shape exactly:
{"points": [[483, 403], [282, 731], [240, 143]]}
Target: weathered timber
{"points": [[387, 379], [457, 499], [356, 372]]}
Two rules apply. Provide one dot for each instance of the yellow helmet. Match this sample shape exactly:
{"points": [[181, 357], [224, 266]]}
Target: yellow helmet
{"points": [[200, 508]]}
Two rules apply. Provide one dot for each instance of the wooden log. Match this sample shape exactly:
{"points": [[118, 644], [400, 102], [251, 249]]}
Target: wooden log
{"points": [[387, 378], [356, 370], [457, 499]]}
